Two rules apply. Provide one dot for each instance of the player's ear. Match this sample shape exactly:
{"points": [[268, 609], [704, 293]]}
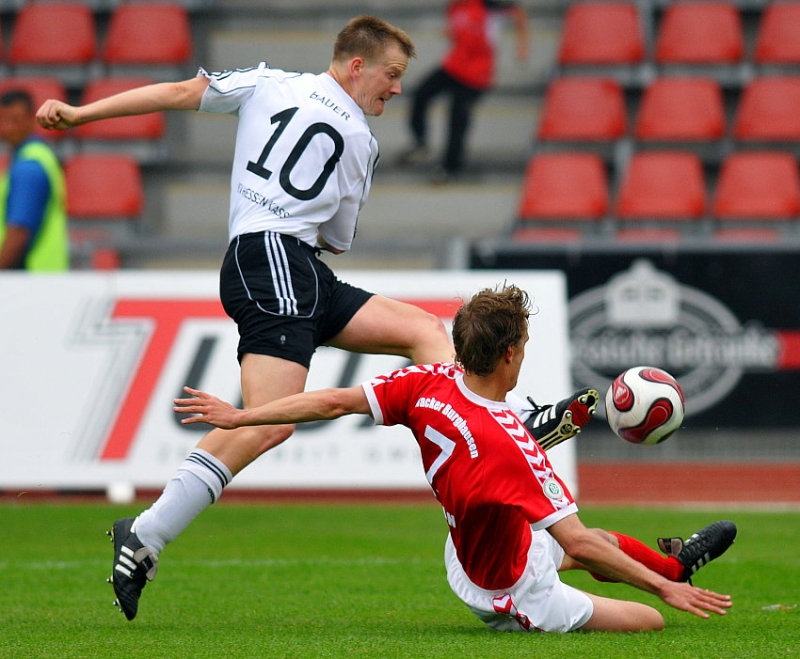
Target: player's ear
{"points": [[357, 65]]}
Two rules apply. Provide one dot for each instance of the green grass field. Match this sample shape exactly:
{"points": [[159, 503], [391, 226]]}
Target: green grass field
{"points": [[353, 581]]}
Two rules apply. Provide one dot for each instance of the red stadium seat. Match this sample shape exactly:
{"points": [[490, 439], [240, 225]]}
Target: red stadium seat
{"points": [[602, 33], [103, 187], [758, 185], [700, 33], [105, 199], [648, 235], [778, 37], [53, 38], [564, 186], [681, 109], [40, 90], [747, 236], [769, 109], [662, 185], [583, 109], [148, 33], [141, 136], [546, 235]]}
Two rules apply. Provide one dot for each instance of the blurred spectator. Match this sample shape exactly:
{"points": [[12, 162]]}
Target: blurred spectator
{"points": [[465, 73], [33, 215]]}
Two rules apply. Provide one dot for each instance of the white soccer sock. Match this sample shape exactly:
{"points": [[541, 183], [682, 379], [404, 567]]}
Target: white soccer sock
{"points": [[522, 408], [197, 483]]}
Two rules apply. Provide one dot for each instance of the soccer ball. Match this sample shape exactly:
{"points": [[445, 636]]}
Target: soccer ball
{"points": [[644, 405]]}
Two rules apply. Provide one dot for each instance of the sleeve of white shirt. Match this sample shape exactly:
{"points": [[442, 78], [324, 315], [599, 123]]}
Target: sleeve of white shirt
{"points": [[355, 182], [229, 89]]}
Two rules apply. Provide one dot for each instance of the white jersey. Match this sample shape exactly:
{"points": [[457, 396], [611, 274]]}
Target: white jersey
{"points": [[304, 155]]}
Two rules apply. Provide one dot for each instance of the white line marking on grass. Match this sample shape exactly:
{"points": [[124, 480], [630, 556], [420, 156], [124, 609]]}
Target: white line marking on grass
{"points": [[322, 561]]}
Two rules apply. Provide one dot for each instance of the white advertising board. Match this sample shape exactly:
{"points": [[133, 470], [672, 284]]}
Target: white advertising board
{"points": [[90, 363]]}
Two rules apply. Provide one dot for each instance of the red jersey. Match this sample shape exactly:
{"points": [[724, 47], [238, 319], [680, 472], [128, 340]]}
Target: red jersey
{"points": [[491, 477], [473, 37]]}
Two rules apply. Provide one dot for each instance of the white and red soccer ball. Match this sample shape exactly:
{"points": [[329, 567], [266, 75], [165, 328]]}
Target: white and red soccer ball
{"points": [[645, 405]]}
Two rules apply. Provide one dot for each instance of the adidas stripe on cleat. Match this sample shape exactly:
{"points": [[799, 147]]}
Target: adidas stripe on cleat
{"points": [[700, 548], [134, 565], [552, 424]]}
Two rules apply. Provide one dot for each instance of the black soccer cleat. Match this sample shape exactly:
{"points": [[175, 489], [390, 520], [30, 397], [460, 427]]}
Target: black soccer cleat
{"points": [[701, 548], [552, 424], [134, 566]]}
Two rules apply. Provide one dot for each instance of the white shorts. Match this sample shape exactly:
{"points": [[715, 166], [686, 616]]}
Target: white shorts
{"points": [[539, 601]]}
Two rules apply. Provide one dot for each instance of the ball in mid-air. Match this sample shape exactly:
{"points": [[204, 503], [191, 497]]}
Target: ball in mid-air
{"points": [[645, 405]]}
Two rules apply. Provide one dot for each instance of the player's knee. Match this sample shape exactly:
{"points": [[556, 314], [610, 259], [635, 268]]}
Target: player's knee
{"points": [[652, 621], [268, 437], [431, 333]]}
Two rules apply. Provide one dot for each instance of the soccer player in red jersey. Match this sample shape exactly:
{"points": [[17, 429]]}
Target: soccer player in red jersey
{"points": [[513, 523]]}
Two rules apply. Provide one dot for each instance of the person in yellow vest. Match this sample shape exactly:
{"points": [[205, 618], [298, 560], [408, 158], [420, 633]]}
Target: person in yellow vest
{"points": [[33, 209]]}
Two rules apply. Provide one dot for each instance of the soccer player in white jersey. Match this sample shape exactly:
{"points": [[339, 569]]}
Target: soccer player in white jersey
{"points": [[513, 524], [302, 168]]}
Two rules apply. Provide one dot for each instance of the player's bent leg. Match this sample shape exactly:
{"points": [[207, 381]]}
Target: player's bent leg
{"points": [[612, 615], [389, 327]]}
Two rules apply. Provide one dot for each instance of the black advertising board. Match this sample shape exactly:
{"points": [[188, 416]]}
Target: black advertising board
{"points": [[726, 323]]}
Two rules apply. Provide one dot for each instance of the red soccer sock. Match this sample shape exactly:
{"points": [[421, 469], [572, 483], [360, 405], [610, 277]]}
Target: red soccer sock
{"points": [[666, 566]]}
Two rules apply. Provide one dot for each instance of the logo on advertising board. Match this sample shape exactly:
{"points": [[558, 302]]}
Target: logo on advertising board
{"points": [[644, 316]]}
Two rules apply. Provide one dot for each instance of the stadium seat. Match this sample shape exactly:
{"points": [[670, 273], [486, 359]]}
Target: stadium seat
{"points": [[549, 235], [155, 35], [54, 38], [564, 186], [748, 236], [700, 33], [40, 90], [685, 113], [658, 235], [778, 36], [603, 38], [103, 187], [755, 185], [140, 136], [702, 38], [583, 110], [768, 110], [105, 199], [662, 185], [681, 109]]}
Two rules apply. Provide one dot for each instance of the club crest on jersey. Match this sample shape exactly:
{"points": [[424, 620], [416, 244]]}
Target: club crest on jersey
{"points": [[552, 489]]}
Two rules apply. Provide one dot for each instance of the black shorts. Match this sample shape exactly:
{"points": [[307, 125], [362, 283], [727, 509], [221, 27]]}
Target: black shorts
{"points": [[285, 301]]}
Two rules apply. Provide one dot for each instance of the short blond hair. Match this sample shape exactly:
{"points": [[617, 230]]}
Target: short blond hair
{"points": [[369, 37]]}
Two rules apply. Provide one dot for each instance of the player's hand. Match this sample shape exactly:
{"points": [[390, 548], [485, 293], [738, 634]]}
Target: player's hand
{"points": [[57, 115], [697, 601], [207, 408]]}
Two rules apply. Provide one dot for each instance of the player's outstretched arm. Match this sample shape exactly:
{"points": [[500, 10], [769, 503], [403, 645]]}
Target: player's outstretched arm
{"points": [[599, 556], [299, 408], [158, 97]]}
